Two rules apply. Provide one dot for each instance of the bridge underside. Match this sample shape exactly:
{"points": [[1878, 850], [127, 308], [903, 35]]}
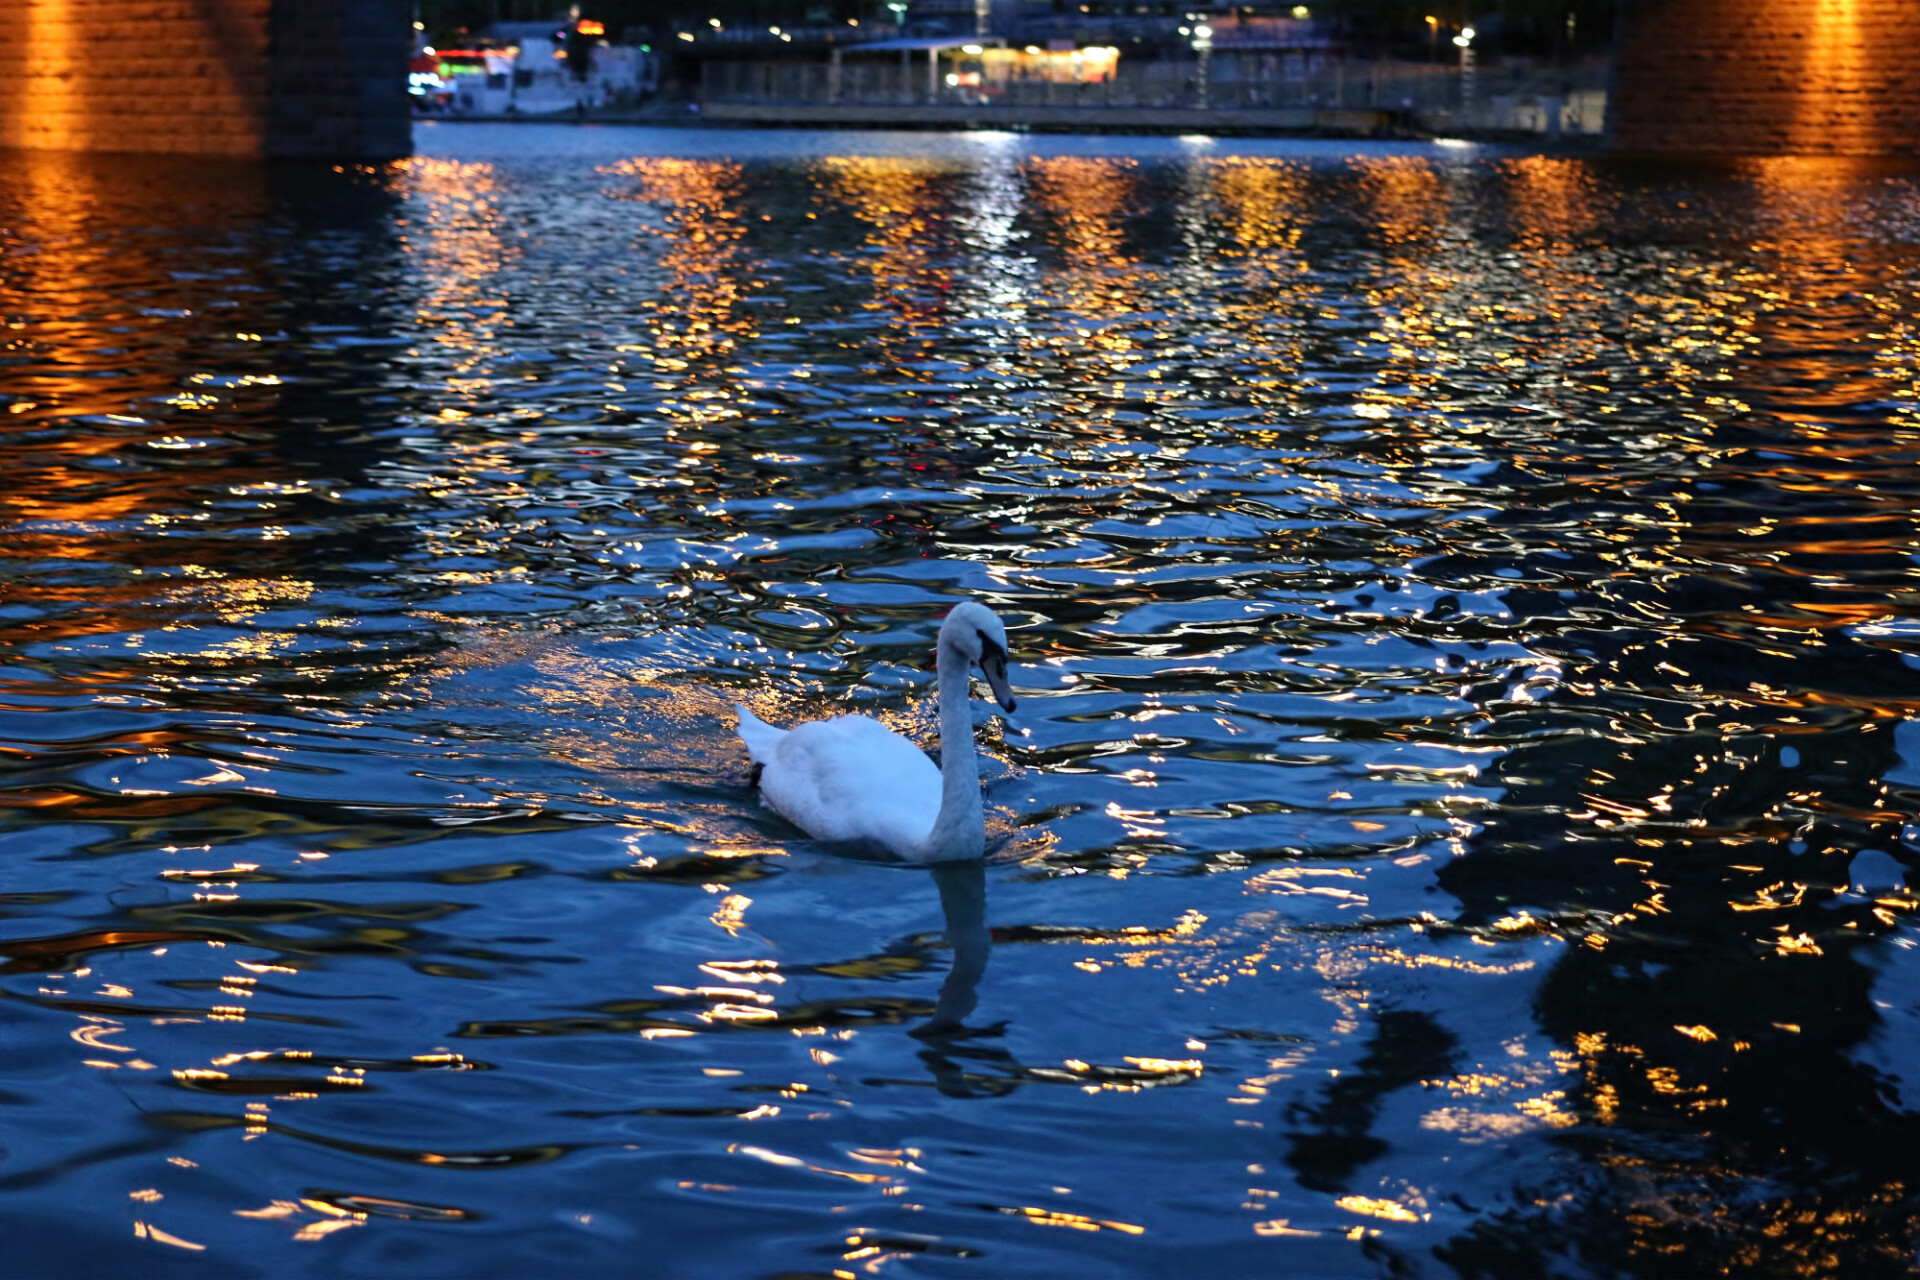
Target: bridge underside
{"points": [[326, 78], [1768, 77], [315, 78]]}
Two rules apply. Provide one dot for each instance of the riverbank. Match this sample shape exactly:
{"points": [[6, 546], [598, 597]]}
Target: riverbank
{"points": [[1321, 122]]}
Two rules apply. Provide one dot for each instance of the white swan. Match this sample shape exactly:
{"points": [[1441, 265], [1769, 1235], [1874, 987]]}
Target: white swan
{"points": [[852, 778]]}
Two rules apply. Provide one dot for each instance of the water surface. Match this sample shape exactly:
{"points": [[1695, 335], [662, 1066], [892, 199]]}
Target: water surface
{"points": [[1458, 819]]}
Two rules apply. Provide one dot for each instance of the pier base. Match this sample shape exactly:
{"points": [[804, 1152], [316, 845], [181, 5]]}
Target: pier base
{"points": [[307, 78], [1768, 77]]}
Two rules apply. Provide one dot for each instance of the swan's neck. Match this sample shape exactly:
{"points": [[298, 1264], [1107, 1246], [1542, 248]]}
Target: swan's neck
{"points": [[959, 831]]}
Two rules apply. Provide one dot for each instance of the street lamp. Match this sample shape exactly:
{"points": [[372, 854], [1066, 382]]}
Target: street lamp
{"points": [[1465, 43], [1203, 49]]}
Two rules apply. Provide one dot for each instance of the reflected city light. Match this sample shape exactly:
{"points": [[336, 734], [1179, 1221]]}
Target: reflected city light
{"points": [[1462, 603]]}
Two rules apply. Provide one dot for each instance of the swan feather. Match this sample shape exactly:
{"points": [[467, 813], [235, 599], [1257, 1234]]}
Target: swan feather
{"points": [[850, 778]]}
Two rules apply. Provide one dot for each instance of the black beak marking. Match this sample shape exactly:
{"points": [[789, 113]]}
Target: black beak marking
{"points": [[993, 662]]}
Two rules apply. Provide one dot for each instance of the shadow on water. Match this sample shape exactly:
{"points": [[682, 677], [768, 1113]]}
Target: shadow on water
{"points": [[1405, 1047], [1714, 807]]}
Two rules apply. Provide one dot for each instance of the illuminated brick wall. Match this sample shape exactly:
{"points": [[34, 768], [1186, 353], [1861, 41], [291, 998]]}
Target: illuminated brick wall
{"points": [[1769, 77], [322, 78]]}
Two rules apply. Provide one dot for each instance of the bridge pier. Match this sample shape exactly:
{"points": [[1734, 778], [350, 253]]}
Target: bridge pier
{"points": [[323, 79], [1767, 77]]}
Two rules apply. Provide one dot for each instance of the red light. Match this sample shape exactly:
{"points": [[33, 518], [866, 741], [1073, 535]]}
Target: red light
{"points": [[588, 27]]}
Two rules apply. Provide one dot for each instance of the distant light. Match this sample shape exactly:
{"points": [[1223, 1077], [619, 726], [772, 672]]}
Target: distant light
{"points": [[419, 26], [853, 22], [686, 35], [786, 37], [1204, 32], [1186, 31], [773, 31], [589, 27], [427, 51], [714, 23], [971, 50], [1468, 32], [1301, 11], [1463, 40], [1033, 48], [952, 80]]}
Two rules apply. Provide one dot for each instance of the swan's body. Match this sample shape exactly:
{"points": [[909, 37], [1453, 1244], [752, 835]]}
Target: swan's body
{"points": [[852, 778]]}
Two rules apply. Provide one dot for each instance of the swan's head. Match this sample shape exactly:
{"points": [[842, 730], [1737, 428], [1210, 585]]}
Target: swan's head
{"points": [[972, 632]]}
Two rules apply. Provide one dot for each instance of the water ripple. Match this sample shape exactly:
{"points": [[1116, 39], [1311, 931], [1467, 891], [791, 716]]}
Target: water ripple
{"points": [[1458, 817]]}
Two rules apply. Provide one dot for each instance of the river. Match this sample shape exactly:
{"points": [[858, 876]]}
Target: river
{"points": [[1457, 822]]}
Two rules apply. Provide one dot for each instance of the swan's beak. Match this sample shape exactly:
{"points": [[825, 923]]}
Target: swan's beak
{"points": [[995, 670]]}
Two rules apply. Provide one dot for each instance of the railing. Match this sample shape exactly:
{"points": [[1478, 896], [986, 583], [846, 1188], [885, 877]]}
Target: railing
{"points": [[1519, 98]]}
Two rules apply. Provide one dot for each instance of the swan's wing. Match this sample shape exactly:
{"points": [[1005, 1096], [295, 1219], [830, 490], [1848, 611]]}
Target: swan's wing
{"points": [[852, 778], [762, 739]]}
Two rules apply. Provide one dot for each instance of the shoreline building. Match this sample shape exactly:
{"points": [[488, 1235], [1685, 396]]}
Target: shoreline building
{"points": [[533, 68]]}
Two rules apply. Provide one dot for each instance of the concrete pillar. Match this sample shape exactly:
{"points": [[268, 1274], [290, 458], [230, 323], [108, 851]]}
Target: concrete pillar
{"points": [[338, 81], [262, 78]]}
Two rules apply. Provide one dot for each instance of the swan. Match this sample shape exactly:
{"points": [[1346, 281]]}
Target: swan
{"points": [[852, 778]]}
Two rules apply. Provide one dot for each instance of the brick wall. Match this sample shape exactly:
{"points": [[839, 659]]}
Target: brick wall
{"points": [[1769, 77], [324, 78]]}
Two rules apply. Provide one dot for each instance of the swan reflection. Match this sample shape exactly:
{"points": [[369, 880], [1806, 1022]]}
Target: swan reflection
{"points": [[963, 900]]}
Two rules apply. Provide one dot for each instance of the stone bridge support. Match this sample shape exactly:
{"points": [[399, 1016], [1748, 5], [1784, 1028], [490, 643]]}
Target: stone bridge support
{"points": [[1768, 77], [297, 78]]}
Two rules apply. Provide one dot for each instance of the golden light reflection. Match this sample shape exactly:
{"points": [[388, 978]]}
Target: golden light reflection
{"points": [[1405, 199], [730, 916], [1087, 200], [794, 1162], [899, 202], [698, 245], [1556, 203], [457, 240], [147, 1231], [1391, 1210], [1263, 205], [1423, 311], [60, 501], [1499, 1101], [1074, 1221]]}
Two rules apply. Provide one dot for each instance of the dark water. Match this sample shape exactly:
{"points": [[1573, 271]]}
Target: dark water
{"points": [[1458, 820]]}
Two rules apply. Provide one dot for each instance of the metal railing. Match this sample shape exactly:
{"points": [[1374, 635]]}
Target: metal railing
{"points": [[1519, 97]]}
